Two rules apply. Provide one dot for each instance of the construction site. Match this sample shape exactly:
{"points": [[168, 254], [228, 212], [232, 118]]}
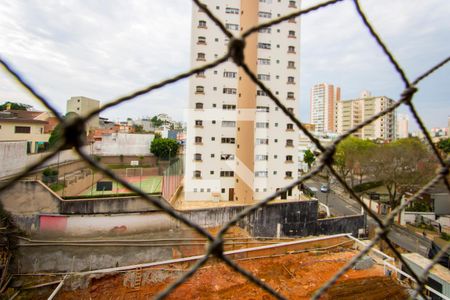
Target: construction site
{"points": [[295, 268]]}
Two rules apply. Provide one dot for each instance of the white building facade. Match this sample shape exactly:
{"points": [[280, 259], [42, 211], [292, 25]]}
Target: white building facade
{"points": [[240, 146], [324, 100], [402, 126]]}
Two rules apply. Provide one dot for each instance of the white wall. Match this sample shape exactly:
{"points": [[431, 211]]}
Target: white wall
{"points": [[123, 143], [14, 157]]}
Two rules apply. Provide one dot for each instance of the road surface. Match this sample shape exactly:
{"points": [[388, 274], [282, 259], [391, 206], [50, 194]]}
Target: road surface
{"points": [[345, 206]]}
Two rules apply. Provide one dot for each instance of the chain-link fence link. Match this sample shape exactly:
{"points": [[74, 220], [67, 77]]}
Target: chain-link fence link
{"points": [[74, 137]]}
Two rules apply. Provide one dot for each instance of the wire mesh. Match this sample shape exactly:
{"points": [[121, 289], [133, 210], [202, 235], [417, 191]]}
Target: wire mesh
{"points": [[73, 137]]}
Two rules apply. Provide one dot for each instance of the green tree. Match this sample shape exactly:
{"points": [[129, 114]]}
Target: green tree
{"points": [[309, 158], [163, 148], [352, 158], [57, 133], [138, 129], [156, 122], [403, 166], [15, 106], [444, 145]]}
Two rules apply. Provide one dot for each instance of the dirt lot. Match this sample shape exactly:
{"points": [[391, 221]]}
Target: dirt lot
{"points": [[296, 276]]}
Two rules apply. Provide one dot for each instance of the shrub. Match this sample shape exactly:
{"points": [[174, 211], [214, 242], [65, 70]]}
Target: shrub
{"points": [[367, 186]]}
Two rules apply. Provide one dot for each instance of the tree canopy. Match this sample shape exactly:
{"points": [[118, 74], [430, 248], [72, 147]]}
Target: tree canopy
{"points": [[15, 106], [156, 122], [57, 133], [163, 148], [309, 158], [444, 145], [402, 166]]}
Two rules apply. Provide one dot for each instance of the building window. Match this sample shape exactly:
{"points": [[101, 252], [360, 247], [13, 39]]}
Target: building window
{"points": [[262, 157], [201, 40], [291, 49], [229, 74], [263, 14], [201, 24], [290, 80], [22, 129], [262, 109], [290, 96], [265, 30], [226, 173], [226, 156], [197, 174], [231, 91], [264, 46], [230, 10], [262, 124], [288, 174], [292, 4], [198, 123], [226, 140], [289, 126], [198, 105], [228, 106], [292, 20], [228, 124], [264, 77], [261, 174], [200, 74], [291, 65], [199, 89], [261, 93], [288, 158], [263, 61], [262, 141], [291, 34], [198, 139], [197, 156], [290, 109], [289, 143], [232, 26], [201, 56]]}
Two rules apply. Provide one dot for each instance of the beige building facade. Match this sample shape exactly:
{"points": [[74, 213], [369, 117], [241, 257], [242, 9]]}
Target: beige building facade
{"points": [[83, 106], [29, 126], [355, 111]]}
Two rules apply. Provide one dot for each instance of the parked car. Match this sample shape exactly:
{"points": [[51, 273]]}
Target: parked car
{"points": [[324, 188]]}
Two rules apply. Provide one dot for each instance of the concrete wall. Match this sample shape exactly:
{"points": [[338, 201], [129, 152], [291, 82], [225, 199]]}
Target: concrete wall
{"points": [[348, 224], [131, 204], [77, 183], [26, 200], [148, 159], [14, 159], [124, 143]]}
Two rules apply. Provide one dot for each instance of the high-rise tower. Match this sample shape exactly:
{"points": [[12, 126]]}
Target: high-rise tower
{"points": [[240, 146]]}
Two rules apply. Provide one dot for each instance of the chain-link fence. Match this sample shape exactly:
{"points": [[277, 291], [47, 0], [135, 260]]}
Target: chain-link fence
{"points": [[74, 137]]}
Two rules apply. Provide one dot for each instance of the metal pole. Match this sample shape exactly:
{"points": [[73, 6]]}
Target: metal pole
{"points": [[57, 288], [328, 186]]}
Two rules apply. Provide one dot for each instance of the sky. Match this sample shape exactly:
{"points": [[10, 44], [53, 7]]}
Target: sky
{"points": [[104, 49]]}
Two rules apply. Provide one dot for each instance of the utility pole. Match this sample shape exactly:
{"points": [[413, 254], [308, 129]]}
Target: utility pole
{"points": [[328, 185]]}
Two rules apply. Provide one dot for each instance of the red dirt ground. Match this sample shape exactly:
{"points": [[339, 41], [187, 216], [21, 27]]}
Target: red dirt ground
{"points": [[296, 276]]}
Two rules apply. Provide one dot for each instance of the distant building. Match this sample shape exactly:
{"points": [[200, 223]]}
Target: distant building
{"points": [[23, 125], [402, 126], [324, 100], [83, 106], [355, 111]]}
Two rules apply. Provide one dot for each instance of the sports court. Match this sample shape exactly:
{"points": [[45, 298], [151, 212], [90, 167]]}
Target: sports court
{"points": [[149, 184]]}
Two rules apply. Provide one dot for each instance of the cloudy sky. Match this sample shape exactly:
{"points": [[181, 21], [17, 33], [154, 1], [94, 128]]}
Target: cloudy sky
{"points": [[105, 49]]}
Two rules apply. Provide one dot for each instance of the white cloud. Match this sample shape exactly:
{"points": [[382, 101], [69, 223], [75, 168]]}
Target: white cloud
{"points": [[105, 49]]}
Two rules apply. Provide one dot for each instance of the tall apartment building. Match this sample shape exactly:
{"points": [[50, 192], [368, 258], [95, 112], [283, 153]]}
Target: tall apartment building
{"points": [[402, 126], [353, 112], [240, 146], [82, 106], [324, 100]]}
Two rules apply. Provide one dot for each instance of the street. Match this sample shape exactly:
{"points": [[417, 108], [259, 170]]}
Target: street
{"points": [[344, 206]]}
